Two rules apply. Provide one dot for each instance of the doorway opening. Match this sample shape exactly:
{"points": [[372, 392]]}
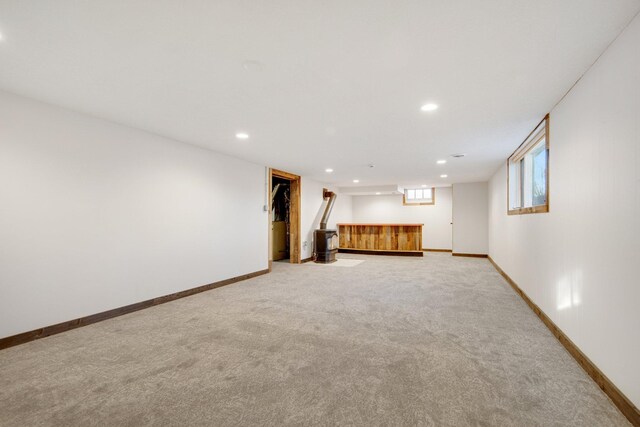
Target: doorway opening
{"points": [[284, 217], [280, 218]]}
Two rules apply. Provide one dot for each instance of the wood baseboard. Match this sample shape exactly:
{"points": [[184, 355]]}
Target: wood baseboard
{"points": [[380, 252], [307, 260], [471, 255], [98, 317], [625, 406], [436, 250]]}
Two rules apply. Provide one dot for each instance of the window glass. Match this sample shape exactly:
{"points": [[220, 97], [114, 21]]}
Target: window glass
{"points": [[419, 196], [528, 173], [539, 170]]}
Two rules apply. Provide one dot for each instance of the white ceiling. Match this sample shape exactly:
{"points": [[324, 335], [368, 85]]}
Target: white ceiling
{"points": [[329, 83]]}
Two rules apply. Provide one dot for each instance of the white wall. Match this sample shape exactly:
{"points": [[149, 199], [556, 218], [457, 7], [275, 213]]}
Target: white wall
{"points": [[470, 218], [95, 216], [436, 233], [581, 261], [313, 205]]}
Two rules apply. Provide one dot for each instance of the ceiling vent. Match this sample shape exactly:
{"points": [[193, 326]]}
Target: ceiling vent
{"points": [[457, 156]]}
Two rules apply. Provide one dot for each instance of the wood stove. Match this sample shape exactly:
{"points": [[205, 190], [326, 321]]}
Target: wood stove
{"points": [[326, 245]]}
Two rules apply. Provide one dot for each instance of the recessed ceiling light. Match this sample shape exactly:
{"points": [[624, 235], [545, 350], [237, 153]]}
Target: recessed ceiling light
{"points": [[1, 37], [328, 170], [424, 185], [441, 162], [377, 193], [443, 176], [356, 181], [429, 107], [242, 135]]}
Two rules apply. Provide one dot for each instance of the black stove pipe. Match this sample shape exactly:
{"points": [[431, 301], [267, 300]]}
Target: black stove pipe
{"points": [[327, 211]]}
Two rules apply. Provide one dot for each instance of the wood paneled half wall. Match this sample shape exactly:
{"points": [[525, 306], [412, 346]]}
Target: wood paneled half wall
{"points": [[392, 239]]}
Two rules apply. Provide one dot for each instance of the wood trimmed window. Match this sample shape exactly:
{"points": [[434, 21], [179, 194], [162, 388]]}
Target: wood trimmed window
{"points": [[419, 196], [528, 173]]}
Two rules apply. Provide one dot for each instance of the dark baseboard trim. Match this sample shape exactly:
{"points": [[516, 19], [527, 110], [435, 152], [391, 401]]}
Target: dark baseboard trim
{"points": [[471, 255], [307, 260], [436, 250], [380, 252], [625, 406], [94, 318]]}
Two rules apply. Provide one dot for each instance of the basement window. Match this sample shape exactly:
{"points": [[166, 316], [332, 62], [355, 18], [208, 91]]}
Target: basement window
{"points": [[528, 173], [419, 196]]}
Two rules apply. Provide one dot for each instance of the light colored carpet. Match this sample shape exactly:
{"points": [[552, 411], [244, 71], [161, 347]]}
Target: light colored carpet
{"points": [[438, 340], [341, 262]]}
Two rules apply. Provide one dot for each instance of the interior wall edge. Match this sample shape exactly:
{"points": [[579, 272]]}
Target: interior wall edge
{"points": [[622, 402], [462, 254], [47, 331]]}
